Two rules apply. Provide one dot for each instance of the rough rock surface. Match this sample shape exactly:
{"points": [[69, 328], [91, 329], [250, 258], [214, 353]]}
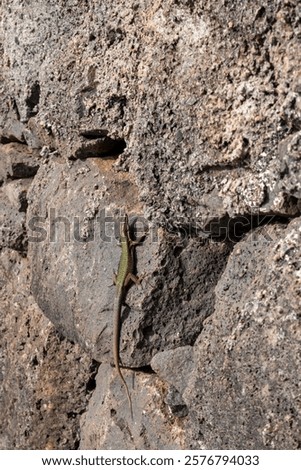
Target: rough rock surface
{"points": [[249, 351], [109, 427], [187, 115], [73, 285], [242, 388], [45, 380]]}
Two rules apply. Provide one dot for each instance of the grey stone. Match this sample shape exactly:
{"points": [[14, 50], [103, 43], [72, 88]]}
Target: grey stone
{"points": [[16, 192], [107, 423], [12, 132], [77, 294], [12, 223], [175, 366], [290, 154], [175, 402], [44, 383], [244, 392], [223, 170], [18, 161]]}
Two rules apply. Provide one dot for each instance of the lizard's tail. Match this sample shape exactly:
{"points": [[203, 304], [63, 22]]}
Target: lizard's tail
{"points": [[129, 398], [126, 389], [117, 311]]}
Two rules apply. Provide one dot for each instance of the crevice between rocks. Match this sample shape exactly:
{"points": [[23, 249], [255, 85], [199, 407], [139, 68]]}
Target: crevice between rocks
{"points": [[33, 99], [234, 228], [97, 144], [227, 228]]}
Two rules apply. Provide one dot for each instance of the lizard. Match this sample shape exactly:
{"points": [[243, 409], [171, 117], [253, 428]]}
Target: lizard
{"points": [[122, 279]]}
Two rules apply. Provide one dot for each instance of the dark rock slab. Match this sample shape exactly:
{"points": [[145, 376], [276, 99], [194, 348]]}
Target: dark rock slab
{"points": [[245, 390]]}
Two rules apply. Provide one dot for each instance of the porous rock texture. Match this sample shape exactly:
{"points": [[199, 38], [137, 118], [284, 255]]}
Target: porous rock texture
{"points": [[187, 116]]}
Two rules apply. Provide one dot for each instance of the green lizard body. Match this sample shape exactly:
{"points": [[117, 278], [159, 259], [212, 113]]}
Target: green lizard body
{"points": [[123, 277]]}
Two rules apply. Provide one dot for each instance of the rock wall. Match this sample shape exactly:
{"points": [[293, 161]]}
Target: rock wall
{"points": [[187, 116]]}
